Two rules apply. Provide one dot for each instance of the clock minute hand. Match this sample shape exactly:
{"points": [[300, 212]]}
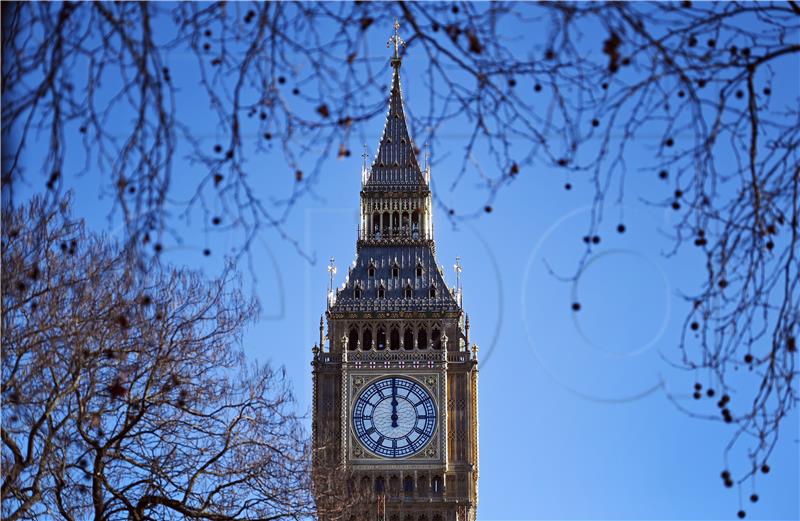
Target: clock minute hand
{"points": [[394, 403]]}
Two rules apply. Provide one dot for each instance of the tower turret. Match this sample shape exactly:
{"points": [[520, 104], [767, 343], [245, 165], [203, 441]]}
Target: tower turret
{"points": [[395, 393]]}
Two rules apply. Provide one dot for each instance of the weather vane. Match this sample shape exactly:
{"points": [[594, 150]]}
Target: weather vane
{"points": [[396, 40]]}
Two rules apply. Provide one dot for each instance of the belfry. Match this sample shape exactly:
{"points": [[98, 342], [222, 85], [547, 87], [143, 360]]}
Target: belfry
{"points": [[395, 378]]}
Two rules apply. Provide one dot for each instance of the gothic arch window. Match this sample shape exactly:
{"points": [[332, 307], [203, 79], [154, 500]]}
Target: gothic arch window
{"points": [[380, 485], [396, 222], [436, 338], [419, 269], [408, 485], [408, 292], [365, 484], [394, 339], [371, 269], [415, 224], [357, 291], [422, 338], [381, 339], [437, 485], [405, 223], [366, 339], [386, 223], [408, 339], [394, 485], [381, 291], [376, 225], [352, 339], [395, 270], [432, 291]]}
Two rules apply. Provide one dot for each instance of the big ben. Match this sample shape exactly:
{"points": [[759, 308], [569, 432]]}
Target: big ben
{"points": [[395, 378]]}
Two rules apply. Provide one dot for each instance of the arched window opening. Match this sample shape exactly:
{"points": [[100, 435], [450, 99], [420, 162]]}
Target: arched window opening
{"points": [[394, 339], [405, 223], [396, 223], [436, 485], [380, 485], [365, 484], [408, 485], [415, 225], [357, 292], [381, 291], [436, 339], [371, 269], [352, 339], [381, 339], [432, 291], [394, 485], [395, 270], [376, 225], [422, 338], [366, 339], [408, 291], [419, 269], [386, 223], [408, 339]]}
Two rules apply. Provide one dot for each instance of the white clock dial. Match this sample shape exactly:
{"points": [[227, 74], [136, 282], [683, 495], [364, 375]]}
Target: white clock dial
{"points": [[394, 417]]}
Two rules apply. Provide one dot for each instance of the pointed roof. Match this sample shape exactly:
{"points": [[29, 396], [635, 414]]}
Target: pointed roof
{"points": [[395, 166], [395, 278]]}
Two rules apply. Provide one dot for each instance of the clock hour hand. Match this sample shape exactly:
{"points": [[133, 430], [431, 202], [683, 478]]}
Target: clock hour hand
{"points": [[394, 403]]}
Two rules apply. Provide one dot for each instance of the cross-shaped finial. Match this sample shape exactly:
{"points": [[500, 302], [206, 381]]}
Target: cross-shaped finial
{"points": [[396, 40]]}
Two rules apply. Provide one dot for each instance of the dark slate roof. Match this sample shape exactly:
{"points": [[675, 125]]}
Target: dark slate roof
{"points": [[383, 258], [395, 166]]}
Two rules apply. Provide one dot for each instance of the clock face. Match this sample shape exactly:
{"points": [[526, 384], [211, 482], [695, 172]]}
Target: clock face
{"points": [[394, 417]]}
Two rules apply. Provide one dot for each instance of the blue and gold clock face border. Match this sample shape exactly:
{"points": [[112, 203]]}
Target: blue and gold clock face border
{"points": [[394, 417]]}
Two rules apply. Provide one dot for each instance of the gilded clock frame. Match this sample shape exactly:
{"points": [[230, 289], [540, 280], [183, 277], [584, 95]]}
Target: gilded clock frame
{"points": [[432, 456]]}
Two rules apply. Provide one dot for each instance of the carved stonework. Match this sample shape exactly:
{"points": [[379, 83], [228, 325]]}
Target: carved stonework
{"points": [[396, 322]]}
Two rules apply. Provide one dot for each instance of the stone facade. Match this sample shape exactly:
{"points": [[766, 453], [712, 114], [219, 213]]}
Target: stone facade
{"points": [[395, 319]]}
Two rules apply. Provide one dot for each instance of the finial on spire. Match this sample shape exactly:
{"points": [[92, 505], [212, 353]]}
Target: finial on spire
{"points": [[397, 41], [364, 157], [458, 269], [331, 272]]}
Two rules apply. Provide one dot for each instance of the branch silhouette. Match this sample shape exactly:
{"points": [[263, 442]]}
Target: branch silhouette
{"points": [[588, 85]]}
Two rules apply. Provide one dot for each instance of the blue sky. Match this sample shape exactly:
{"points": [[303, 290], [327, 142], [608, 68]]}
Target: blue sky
{"points": [[575, 417]]}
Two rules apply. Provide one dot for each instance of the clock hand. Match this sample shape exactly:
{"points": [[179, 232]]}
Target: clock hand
{"points": [[394, 403]]}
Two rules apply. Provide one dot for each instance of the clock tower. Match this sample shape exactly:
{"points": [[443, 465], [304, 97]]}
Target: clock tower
{"points": [[395, 379]]}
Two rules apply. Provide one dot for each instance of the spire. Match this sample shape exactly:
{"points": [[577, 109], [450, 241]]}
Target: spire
{"points": [[395, 166]]}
